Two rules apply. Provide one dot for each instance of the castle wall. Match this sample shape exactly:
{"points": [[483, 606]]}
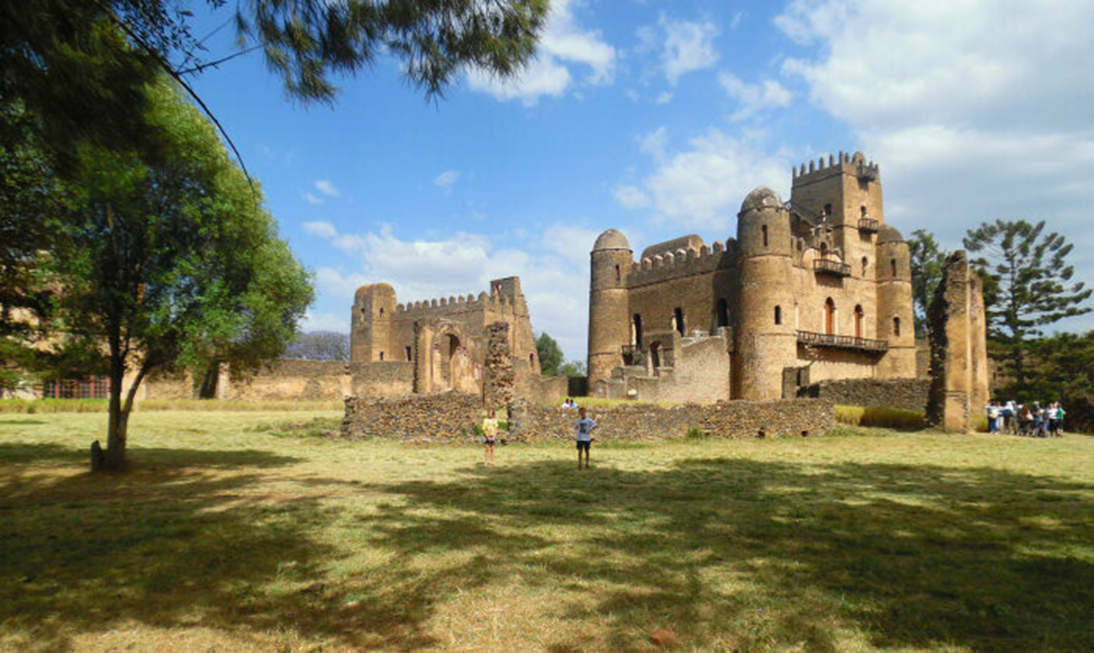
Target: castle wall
{"points": [[701, 373]]}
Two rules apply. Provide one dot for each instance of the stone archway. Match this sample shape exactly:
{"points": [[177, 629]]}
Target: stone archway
{"points": [[448, 363]]}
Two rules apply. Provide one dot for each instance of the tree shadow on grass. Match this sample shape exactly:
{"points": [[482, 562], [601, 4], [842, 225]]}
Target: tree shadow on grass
{"points": [[747, 554]]}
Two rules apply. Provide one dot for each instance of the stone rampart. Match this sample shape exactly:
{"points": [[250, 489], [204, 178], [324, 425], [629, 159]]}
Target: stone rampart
{"points": [[281, 380], [683, 263], [646, 422], [382, 379], [903, 394], [443, 417]]}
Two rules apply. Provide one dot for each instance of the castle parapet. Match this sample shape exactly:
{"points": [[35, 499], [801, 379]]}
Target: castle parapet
{"points": [[855, 165], [680, 263]]}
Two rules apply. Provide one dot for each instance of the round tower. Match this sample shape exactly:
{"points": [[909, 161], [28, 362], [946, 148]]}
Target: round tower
{"points": [[895, 319], [609, 323], [766, 340]]}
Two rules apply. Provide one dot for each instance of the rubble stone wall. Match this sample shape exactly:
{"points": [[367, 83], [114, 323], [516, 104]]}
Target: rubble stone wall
{"points": [[440, 417], [647, 422], [904, 394]]}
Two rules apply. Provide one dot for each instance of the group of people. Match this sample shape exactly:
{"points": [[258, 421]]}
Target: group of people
{"points": [[568, 404], [1030, 420], [584, 425]]}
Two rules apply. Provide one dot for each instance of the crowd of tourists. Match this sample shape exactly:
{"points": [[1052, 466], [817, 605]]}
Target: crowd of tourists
{"points": [[1030, 420]]}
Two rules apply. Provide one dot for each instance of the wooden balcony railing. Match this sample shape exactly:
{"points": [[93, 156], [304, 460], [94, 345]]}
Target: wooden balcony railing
{"points": [[841, 342], [869, 225], [828, 266]]}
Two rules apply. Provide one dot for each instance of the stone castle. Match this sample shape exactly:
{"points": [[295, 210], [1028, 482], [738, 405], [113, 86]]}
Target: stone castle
{"points": [[433, 346], [817, 288]]}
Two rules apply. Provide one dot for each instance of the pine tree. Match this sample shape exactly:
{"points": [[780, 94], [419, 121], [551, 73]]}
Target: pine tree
{"points": [[1027, 285], [927, 259]]}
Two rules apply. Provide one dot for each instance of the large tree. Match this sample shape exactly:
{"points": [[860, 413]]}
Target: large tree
{"points": [[550, 354], [927, 259], [1028, 284], [171, 260]]}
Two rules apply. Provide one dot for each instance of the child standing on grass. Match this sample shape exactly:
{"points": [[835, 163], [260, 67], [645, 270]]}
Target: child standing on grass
{"points": [[489, 438], [585, 428]]}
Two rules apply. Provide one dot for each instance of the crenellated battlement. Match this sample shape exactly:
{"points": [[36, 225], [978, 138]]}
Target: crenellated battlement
{"points": [[443, 306], [682, 263], [855, 165]]}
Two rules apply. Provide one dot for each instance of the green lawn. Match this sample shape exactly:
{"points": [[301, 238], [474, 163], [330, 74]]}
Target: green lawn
{"points": [[240, 531]]}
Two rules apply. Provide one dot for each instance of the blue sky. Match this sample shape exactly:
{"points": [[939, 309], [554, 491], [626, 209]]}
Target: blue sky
{"points": [[657, 118]]}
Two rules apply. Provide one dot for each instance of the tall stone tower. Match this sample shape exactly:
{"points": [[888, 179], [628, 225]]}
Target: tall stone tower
{"points": [[609, 323], [370, 334], [895, 321], [843, 193], [766, 340]]}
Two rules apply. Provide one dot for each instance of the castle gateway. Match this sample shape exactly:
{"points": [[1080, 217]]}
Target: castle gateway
{"points": [[812, 289]]}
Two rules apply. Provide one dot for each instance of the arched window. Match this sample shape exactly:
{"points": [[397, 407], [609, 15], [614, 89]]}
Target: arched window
{"points": [[778, 315], [381, 355], [763, 230], [892, 266], [829, 316], [655, 353], [858, 322], [409, 354], [678, 316], [863, 210], [896, 327], [865, 265], [723, 313], [617, 274], [638, 330]]}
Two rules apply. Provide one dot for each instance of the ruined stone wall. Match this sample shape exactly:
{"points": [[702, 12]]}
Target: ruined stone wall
{"points": [[283, 380], [701, 373], [498, 375], [441, 417], [959, 374], [904, 394], [638, 422], [387, 379]]}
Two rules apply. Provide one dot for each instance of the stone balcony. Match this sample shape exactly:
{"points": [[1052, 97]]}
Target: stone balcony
{"points": [[868, 225], [834, 268], [831, 340]]}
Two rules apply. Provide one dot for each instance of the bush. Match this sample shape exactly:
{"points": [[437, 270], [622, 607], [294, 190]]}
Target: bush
{"points": [[695, 433], [892, 418]]}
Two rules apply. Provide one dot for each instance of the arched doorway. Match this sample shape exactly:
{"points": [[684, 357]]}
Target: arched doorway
{"points": [[858, 322], [829, 316], [722, 313], [655, 354]]}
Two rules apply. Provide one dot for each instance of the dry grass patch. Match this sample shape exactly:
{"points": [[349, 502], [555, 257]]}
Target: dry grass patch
{"points": [[244, 531]]}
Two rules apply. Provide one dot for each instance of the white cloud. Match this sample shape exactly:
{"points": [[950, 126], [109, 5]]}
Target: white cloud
{"points": [[326, 322], [312, 198], [754, 98], [555, 280], [703, 185], [654, 143], [321, 229], [327, 188], [446, 179], [631, 197], [664, 98], [688, 47], [973, 109], [563, 45]]}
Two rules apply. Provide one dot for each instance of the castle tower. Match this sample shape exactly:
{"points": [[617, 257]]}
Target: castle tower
{"points": [[766, 340], [844, 192], [609, 323], [895, 321], [370, 324]]}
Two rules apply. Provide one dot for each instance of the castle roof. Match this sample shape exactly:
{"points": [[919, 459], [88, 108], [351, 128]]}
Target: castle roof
{"points": [[888, 234], [691, 241], [611, 239], [760, 198]]}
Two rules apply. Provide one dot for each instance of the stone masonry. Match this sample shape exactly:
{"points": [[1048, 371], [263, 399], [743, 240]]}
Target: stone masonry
{"points": [[498, 379]]}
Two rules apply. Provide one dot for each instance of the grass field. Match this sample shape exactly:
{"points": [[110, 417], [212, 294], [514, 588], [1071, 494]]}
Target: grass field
{"points": [[254, 531]]}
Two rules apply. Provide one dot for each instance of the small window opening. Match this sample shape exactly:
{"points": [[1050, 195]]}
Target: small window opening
{"points": [[381, 312], [381, 355], [827, 210], [617, 274], [892, 266], [678, 316], [409, 354], [532, 359], [723, 313], [824, 250], [778, 315], [829, 316], [858, 321], [865, 264], [863, 210], [896, 326], [763, 230], [638, 330]]}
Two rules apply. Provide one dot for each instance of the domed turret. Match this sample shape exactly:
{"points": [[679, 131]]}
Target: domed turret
{"points": [[609, 325], [611, 239], [762, 197], [888, 234]]}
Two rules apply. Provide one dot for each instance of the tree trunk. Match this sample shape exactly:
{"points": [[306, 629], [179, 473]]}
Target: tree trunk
{"points": [[117, 427]]}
